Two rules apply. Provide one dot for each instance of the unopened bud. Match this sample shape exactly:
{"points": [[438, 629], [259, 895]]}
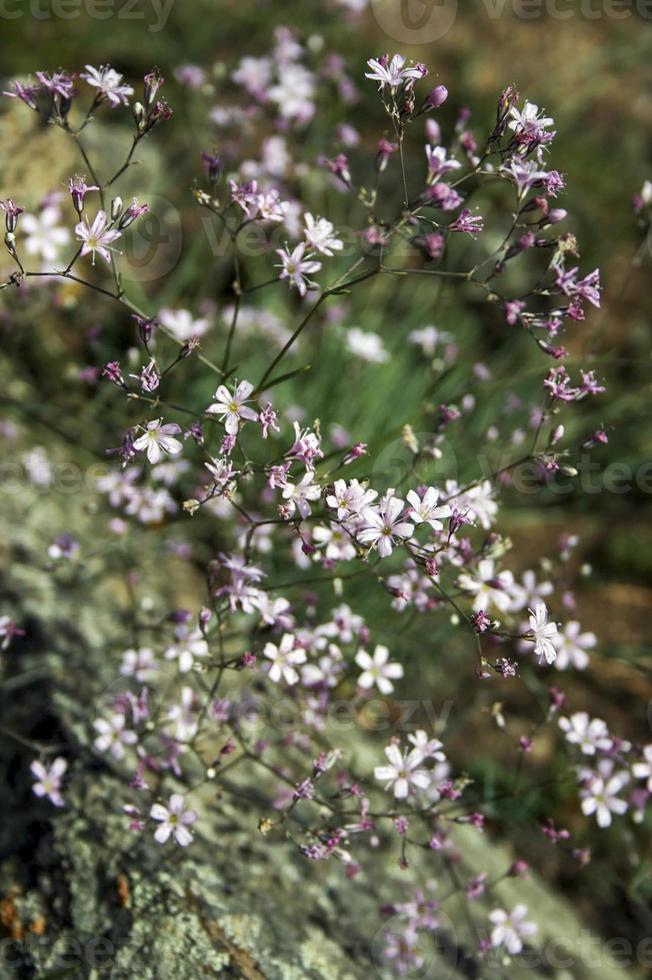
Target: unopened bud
{"points": [[556, 435], [437, 97], [116, 208]]}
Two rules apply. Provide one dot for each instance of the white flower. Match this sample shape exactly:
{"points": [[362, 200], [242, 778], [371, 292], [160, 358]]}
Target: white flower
{"points": [[109, 84], [284, 657], [426, 747], [295, 268], [185, 715], [319, 234], [571, 646], [350, 498], [425, 510], [187, 649], [392, 75], [543, 632], [294, 91], [253, 74], [97, 237], [113, 736], [439, 162], [488, 586], [377, 670], [427, 339], [402, 773], [44, 236], [478, 502], [590, 734], [337, 544], [299, 495], [139, 664], [529, 119], [159, 439], [181, 324], [48, 779], [366, 345], [232, 407], [528, 592], [384, 525], [599, 796], [175, 820], [510, 929], [643, 770]]}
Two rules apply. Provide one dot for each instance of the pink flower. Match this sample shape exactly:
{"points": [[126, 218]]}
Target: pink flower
{"points": [[384, 526], [97, 237], [108, 83], [231, 407], [295, 268]]}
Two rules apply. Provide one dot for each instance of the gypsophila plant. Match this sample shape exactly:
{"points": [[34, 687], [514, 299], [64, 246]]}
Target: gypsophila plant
{"points": [[307, 524]]}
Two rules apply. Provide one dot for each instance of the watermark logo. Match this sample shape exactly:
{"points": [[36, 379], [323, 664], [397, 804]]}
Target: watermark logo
{"points": [[415, 21], [152, 245]]}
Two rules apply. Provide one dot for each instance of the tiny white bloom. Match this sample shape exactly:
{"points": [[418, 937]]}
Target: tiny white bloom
{"points": [[284, 658], [231, 406], [543, 632], [319, 235], [174, 820], [377, 670], [159, 439]]}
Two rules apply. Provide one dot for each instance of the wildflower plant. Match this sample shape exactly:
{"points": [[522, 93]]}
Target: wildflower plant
{"points": [[304, 523]]}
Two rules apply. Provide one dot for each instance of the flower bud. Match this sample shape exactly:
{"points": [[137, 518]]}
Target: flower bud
{"points": [[116, 208], [556, 215], [437, 97], [139, 115], [556, 435]]}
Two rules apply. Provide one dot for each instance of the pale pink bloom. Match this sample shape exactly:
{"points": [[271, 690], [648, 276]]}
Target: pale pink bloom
{"points": [[427, 747], [159, 439], [113, 736], [377, 670], [44, 234], [510, 928], [108, 83], [97, 237], [231, 406], [300, 495], [187, 649], [544, 633], [175, 820], [424, 510], [319, 235], [599, 796], [350, 498], [589, 734], [139, 664], [384, 526], [284, 658], [296, 269], [48, 779], [572, 646], [488, 586], [402, 774], [393, 74], [182, 325]]}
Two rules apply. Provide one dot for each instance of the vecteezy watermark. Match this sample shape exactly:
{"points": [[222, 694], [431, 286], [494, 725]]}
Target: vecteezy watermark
{"points": [[152, 246], [153, 14], [425, 21]]}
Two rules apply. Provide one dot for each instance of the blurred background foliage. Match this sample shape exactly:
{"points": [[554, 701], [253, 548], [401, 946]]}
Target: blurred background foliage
{"points": [[594, 76]]}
